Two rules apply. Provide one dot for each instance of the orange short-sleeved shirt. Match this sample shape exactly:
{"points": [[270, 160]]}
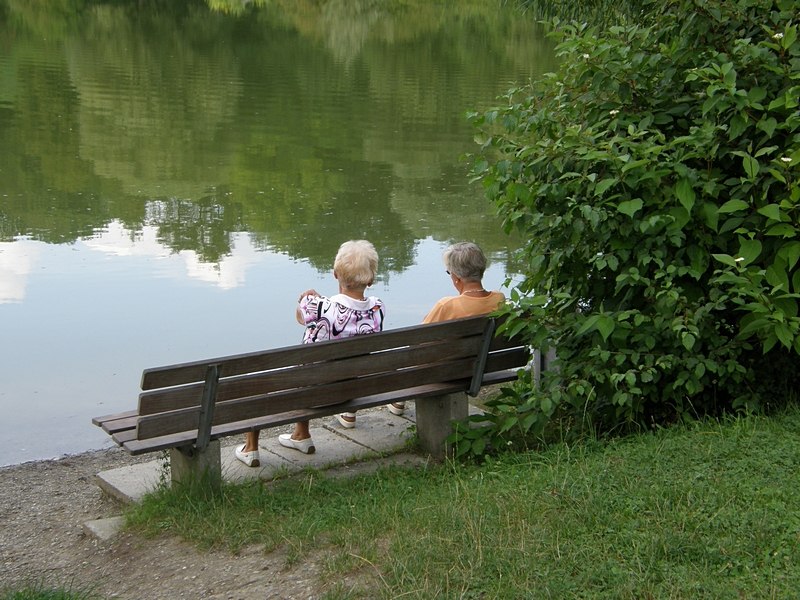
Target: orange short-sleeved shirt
{"points": [[458, 307]]}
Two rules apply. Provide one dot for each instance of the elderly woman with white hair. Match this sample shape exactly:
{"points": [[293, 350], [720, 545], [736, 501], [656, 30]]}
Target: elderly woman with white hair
{"points": [[345, 314], [465, 263]]}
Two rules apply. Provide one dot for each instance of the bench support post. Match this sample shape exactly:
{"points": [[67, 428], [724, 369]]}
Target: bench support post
{"points": [[433, 421], [188, 463], [542, 362]]}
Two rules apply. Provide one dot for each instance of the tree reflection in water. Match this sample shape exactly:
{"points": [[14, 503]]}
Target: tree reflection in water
{"points": [[302, 123]]}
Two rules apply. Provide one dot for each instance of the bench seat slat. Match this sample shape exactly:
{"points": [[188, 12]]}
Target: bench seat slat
{"points": [[112, 427], [100, 421], [127, 435], [321, 351], [319, 373]]}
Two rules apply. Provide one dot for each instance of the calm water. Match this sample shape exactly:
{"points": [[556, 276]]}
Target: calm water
{"points": [[173, 175]]}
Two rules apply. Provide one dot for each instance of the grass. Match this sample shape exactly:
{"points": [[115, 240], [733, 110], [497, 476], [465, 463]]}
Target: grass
{"points": [[40, 591], [707, 510]]}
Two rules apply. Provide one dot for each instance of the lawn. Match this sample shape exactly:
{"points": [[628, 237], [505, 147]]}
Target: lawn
{"points": [[703, 510]]}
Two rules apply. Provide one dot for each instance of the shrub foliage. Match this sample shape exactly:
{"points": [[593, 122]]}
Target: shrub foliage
{"points": [[654, 180]]}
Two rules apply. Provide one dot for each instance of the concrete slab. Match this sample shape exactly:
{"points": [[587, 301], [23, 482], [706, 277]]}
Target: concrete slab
{"points": [[381, 431], [131, 483], [370, 466], [331, 449], [104, 529], [271, 465]]}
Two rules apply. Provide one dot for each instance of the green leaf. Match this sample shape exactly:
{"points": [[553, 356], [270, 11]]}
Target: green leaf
{"points": [[771, 211], [737, 127], [771, 340], [685, 193], [788, 306], [588, 324], [478, 446], [749, 251], [710, 215], [777, 175], [750, 165], [789, 37], [546, 406], [784, 334], [725, 259], [733, 205], [777, 277], [687, 340], [629, 207], [510, 422], [634, 164], [790, 252], [756, 94], [605, 325], [480, 167], [783, 229], [603, 186], [755, 325], [768, 126], [730, 78]]}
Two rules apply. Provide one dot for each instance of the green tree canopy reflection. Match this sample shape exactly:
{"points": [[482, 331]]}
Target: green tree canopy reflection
{"points": [[304, 123]]}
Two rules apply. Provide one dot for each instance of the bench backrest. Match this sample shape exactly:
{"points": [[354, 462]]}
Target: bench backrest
{"points": [[325, 373]]}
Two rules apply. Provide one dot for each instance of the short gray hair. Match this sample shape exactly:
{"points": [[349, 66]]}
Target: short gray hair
{"points": [[465, 260], [356, 264]]}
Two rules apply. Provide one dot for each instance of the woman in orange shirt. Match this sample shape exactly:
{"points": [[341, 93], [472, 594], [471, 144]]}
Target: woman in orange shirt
{"points": [[465, 263]]}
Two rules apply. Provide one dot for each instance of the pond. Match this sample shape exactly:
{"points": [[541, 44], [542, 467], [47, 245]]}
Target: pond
{"points": [[174, 174]]}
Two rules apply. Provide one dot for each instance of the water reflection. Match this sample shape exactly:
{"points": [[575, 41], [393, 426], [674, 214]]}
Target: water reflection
{"points": [[16, 263], [296, 121], [171, 173]]}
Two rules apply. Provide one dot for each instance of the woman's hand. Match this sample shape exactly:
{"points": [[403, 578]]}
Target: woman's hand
{"points": [[310, 292]]}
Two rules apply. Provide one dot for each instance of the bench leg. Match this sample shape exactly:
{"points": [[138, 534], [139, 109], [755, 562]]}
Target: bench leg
{"points": [[433, 421], [542, 362], [194, 464]]}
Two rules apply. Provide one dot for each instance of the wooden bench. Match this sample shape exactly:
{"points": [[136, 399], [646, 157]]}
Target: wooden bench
{"points": [[186, 408]]}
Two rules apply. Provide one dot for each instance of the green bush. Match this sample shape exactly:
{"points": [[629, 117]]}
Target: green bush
{"points": [[654, 181]]}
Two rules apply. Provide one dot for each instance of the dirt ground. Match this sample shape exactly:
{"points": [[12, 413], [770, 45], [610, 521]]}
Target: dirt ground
{"points": [[44, 505], [43, 508]]}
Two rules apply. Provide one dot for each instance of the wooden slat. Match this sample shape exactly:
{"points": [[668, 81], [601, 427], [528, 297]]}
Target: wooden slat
{"points": [[320, 373], [106, 418], [507, 359], [121, 437], [112, 427], [329, 350], [335, 393], [499, 342]]}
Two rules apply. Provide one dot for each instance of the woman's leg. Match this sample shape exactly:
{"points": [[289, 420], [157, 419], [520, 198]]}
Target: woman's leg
{"points": [[301, 431], [251, 441], [300, 439]]}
